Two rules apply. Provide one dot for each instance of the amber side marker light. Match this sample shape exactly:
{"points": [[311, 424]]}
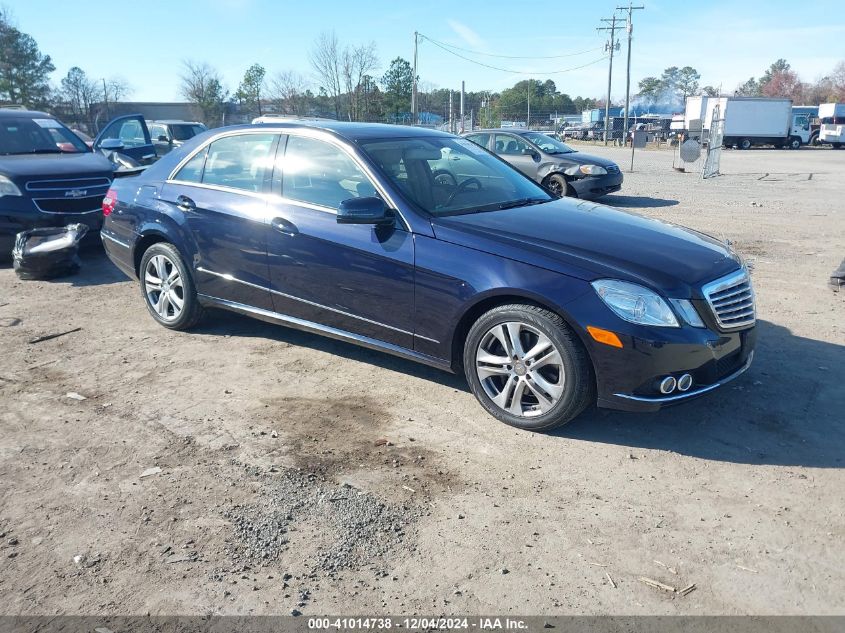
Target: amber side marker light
{"points": [[604, 336]]}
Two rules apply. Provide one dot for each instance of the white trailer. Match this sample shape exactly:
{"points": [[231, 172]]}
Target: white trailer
{"points": [[832, 117]]}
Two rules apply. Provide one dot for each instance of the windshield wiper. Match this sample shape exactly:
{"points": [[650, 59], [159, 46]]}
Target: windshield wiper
{"points": [[524, 202]]}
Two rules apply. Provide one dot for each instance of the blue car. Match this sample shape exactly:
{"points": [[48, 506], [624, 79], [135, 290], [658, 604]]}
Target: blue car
{"points": [[547, 305]]}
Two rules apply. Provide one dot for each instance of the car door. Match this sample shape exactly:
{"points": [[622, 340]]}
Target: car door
{"points": [[517, 151], [161, 139], [221, 192], [131, 130], [357, 278]]}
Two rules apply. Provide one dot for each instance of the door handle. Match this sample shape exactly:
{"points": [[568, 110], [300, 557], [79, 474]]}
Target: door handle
{"points": [[185, 203], [284, 226]]}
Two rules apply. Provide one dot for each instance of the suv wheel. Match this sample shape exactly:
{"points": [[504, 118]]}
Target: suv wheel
{"points": [[527, 368], [168, 289]]}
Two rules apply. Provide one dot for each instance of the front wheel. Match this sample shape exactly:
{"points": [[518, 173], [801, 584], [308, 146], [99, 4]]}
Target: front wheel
{"points": [[745, 144], [527, 368], [794, 143], [168, 289], [558, 185]]}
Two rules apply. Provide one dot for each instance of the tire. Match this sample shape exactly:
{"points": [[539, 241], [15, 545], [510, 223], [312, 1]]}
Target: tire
{"points": [[557, 183], [564, 379], [162, 261], [745, 144], [794, 143]]}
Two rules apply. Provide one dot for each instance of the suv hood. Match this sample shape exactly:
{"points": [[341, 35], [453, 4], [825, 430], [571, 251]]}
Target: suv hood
{"points": [[591, 241], [24, 167]]}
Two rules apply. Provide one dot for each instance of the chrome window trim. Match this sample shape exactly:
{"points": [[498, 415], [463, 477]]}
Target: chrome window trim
{"points": [[315, 133], [223, 188], [229, 277]]}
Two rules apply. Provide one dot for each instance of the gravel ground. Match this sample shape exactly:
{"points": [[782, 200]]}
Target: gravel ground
{"points": [[250, 469]]}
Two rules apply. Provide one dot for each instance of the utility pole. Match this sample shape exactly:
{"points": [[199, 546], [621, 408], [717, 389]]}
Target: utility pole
{"points": [[611, 45], [414, 88], [106, 98], [528, 120], [629, 26], [463, 87], [451, 113]]}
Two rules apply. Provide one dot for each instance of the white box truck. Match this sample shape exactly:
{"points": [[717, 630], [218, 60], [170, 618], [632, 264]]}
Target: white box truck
{"points": [[749, 121], [832, 117]]}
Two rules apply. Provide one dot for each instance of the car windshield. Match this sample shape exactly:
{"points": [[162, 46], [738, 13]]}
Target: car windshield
{"points": [[452, 176], [24, 135], [547, 143], [184, 131]]}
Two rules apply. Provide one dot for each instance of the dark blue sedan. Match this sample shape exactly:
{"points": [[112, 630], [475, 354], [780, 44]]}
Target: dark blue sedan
{"points": [[353, 231]]}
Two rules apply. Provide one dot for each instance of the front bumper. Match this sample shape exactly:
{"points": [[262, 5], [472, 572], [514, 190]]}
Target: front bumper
{"points": [[627, 378], [592, 187], [20, 214]]}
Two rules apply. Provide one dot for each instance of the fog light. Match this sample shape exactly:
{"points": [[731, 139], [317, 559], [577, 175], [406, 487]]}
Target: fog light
{"points": [[684, 382], [668, 384]]}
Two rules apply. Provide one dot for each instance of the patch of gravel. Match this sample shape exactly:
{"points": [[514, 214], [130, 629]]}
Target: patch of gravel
{"points": [[353, 529]]}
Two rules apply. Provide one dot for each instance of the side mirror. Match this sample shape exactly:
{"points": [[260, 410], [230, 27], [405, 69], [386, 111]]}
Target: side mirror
{"points": [[111, 144], [370, 210], [162, 138]]}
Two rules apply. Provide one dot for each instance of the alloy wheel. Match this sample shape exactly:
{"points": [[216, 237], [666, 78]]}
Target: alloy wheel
{"points": [[520, 369], [163, 287]]}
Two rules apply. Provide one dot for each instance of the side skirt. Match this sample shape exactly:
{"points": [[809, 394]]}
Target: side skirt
{"points": [[316, 328]]}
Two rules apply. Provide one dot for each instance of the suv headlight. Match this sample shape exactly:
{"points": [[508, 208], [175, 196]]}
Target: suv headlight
{"points": [[634, 303], [586, 170], [8, 188]]}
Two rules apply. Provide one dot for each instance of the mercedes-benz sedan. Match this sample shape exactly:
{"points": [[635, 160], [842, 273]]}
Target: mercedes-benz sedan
{"points": [[547, 305]]}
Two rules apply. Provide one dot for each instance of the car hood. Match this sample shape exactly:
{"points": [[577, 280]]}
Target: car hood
{"points": [[579, 158], [591, 241], [30, 166]]}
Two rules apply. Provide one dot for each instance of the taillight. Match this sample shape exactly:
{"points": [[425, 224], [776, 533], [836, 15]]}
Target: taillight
{"points": [[109, 201]]}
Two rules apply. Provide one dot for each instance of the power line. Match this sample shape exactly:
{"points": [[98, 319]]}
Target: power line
{"points": [[468, 50], [509, 70]]}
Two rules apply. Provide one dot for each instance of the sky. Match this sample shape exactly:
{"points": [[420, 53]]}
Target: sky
{"points": [[146, 42]]}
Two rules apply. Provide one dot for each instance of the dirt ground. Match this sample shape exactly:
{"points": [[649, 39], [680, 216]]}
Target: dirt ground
{"points": [[302, 473]]}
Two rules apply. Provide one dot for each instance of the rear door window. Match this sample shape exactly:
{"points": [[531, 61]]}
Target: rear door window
{"points": [[241, 161]]}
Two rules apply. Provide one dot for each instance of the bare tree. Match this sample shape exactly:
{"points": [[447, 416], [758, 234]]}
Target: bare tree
{"points": [[356, 62], [202, 86], [80, 92], [117, 88], [287, 92], [325, 58]]}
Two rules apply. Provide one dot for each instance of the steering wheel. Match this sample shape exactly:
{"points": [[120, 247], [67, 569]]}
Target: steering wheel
{"points": [[461, 187]]}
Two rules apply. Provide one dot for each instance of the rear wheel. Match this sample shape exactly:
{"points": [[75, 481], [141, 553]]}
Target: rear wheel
{"points": [[745, 144], [527, 368], [168, 289]]}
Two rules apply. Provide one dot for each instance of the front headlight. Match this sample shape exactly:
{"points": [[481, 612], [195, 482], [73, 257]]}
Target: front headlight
{"points": [[586, 170], [8, 188], [635, 303]]}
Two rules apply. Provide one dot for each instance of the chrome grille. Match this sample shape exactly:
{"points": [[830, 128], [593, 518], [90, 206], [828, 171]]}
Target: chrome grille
{"points": [[69, 205], [71, 183], [731, 299]]}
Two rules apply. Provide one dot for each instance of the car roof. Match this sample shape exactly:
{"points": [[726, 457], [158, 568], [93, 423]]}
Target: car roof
{"points": [[9, 113], [173, 121], [351, 131]]}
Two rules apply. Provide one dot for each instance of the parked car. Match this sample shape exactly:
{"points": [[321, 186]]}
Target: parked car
{"points": [[551, 163], [48, 176], [169, 134], [342, 229], [131, 135]]}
